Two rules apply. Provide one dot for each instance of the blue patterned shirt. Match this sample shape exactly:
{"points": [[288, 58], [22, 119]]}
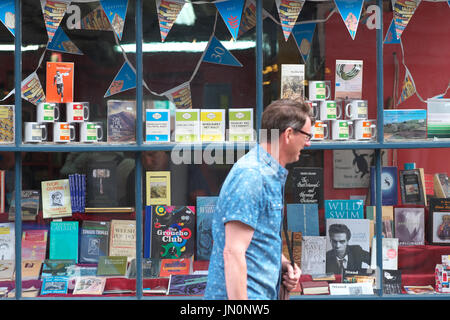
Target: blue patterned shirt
{"points": [[252, 194]]}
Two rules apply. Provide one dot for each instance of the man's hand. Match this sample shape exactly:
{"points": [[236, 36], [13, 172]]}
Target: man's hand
{"points": [[291, 275]]}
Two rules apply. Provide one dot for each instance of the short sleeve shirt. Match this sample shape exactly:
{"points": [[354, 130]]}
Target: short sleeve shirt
{"points": [[252, 194]]}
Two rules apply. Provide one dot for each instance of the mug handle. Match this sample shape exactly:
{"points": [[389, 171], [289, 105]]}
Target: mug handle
{"points": [[347, 108], [338, 107], [56, 113], [99, 132], [374, 131], [350, 130], [72, 130], [328, 91], [86, 112], [44, 132], [325, 131]]}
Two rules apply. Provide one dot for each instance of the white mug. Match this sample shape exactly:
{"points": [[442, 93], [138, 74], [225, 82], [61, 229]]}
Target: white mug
{"points": [[63, 132], [35, 132], [91, 132], [77, 111], [319, 130], [47, 112], [356, 109], [341, 129], [365, 129], [319, 90], [329, 110]]}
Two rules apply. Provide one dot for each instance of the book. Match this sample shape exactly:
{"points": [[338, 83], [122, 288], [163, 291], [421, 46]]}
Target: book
{"points": [[295, 239], [348, 79], [411, 187], [354, 289], [7, 269], [157, 125], [121, 121], [76, 271], [29, 205], [240, 124], [63, 240], [56, 267], [122, 238], [101, 182], [359, 276], [308, 185], [303, 218], [34, 244], [158, 189], [404, 124], [31, 269], [59, 82], [175, 266], [389, 253], [55, 285], [315, 287], [438, 118], [7, 125], [2, 190], [172, 233], [112, 266], [94, 240], [150, 268], [440, 183], [89, 285], [389, 186], [344, 209], [204, 241], [387, 220], [439, 216], [7, 241], [212, 124], [409, 225], [427, 289], [56, 201], [292, 81], [187, 125], [187, 284], [392, 282], [313, 255], [323, 277]]}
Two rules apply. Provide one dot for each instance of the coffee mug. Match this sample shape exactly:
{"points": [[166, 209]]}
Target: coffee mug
{"points": [[63, 132], [35, 132], [356, 109], [319, 90], [47, 112], [319, 130], [329, 110], [365, 129], [77, 111], [91, 132], [341, 129]]}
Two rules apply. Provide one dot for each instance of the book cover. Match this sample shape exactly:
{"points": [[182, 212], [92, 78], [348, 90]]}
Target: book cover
{"points": [[112, 266], [7, 127], [389, 186], [308, 185], [158, 189], [7, 269], [175, 266], [354, 289], [292, 81], [56, 201], [150, 268], [89, 285], [122, 238], [187, 125], [313, 255], [56, 267], [303, 218], [72, 187], [34, 244], [173, 229], [387, 219], [63, 240], [2, 190], [59, 82], [101, 182], [389, 253], [55, 285], [205, 211], [439, 216], [409, 226], [157, 125], [411, 187], [348, 79], [344, 209], [295, 240], [359, 276], [187, 284], [240, 124], [403, 124], [7, 241], [31, 269], [29, 205], [121, 121], [438, 118], [94, 240], [212, 124], [392, 282], [315, 287], [427, 289], [440, 183]]}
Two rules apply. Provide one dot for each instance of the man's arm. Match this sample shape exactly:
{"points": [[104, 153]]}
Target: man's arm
{"points": [[291, 275], [237, 239]]}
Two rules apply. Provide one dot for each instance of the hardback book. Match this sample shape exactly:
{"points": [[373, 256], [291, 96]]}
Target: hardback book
{"points": [[63, 240], [438, 118], [31, 269], [212, 125], [158, 191], [187, 284], [187, 125], [426, 289], [34, 244], [175, 266], [112, 266], [55, 285], [121, 121], [7, 128], [389, 253], [29, 205], [7, 241], [315, 287], [240, 124], [59, 82], [409, 225], [89, 285], [411, 187], [205, 210], [389, 186], [392, 282], [313, 255], [354, 289], [295, 240], [348, 79], [157, 125], [56, 267], [56, 201], [7, 269], [303, 218], [308, 185], [405, 124], [172, 233], [344, 209], [440, 183], [122, 238], [101, 184], [292, 81], [439, 217], [94, 240]]}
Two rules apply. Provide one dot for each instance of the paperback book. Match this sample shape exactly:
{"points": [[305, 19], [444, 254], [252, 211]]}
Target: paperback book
{"points": [[56, 201], [240, 124], [121, 121], [170, 267], [187, 125], [90, 285], [212, 125], [112, 266], [158, 191], [7, 270], [34, 244], [389, 186], [292, 81], [29, 205], [55, 285], [157, 125], [7, 241], [205, 211], [412, 187], [122, 240], [187, 284], [31, 269], [59, 82], [389, 253], [409, 225], [344, 209], [94, 240], [63, 240], [7, 127], [313, 255], [392, 282], [56, 267]]}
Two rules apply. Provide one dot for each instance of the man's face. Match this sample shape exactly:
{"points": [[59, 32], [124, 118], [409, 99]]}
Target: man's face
{"points": [[300, 141], [339, 244]]}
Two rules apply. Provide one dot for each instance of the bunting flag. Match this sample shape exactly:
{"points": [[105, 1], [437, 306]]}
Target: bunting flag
{"points": [[303, 34], [62, 43], [168, 12], [116, 11], [403, 11], [248, 19], [53, 12], [391, 35], [216, 53], [181, 96], [124, 80], [448, 3], [350, 11], [408, 87], [288, 11], [231, 12], [8, 15], [96, 20], [32, 90]]}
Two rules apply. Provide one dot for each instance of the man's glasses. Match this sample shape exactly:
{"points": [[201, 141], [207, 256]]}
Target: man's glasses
{"points": [[308, 136]]}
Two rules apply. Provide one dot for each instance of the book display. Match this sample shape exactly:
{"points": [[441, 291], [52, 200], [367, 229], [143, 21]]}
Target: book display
{"points": [[93, 93]]}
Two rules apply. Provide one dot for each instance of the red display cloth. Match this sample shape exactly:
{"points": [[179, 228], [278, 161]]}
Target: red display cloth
{"points": [[420, 259]]}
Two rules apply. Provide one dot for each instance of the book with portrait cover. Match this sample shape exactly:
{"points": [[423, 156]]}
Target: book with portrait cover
{"points": [[308, 185], [121, 121], [94, 240], [56, 201], [59, 82], [411, 187], [409, 225]]}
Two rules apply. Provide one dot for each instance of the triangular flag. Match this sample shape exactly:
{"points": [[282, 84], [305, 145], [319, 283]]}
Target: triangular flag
{"points": [[8, 14], [288, 11], [53, 12], [408, 87], [403, 11], [124, 80], [32, 90], [61, 42], [116, 11], [448, 3], [303, 34], [216, 53], [168, 12], [231, 12], [248, 19], [350, 11], [181, 96], [391, 35], [96, 20]]}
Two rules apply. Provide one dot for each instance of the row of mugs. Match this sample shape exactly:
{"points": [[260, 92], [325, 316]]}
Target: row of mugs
{"points": [[63, 132], [361, 129], [332, 110], [75, 112]]}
